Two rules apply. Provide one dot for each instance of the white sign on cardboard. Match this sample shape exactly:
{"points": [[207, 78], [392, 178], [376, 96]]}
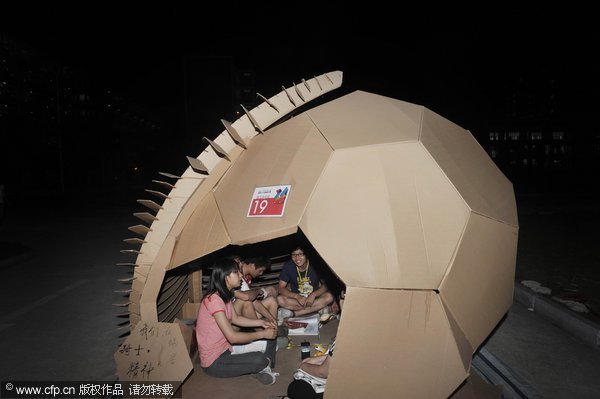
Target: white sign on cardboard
{"points": [[153, 351], [269, 201]]}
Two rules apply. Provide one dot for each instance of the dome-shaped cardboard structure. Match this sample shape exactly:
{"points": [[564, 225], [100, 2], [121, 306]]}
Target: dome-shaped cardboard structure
{"points": [[402, 204]]}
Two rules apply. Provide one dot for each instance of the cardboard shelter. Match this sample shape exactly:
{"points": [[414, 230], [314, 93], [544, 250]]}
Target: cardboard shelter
{"points": [[402, 204]]}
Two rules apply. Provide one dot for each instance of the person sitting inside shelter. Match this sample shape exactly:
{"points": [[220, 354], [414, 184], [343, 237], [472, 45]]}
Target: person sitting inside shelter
{"points": [[255, 303], [221, 349], [301, 289]]}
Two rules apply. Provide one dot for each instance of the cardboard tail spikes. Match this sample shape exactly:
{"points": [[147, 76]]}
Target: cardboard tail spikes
{"points": [[150, 299]]}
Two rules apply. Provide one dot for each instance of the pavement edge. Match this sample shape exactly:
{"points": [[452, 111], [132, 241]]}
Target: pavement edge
{"points": [[578, 326]]}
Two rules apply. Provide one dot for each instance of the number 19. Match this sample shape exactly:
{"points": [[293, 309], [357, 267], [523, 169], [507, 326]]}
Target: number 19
{"points": [[262, 204]]}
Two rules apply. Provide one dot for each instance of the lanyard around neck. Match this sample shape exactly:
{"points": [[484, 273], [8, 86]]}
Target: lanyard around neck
{"points": [[305, 272]]}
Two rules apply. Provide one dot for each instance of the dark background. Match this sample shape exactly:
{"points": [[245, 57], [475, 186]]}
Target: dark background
{"points": [[138, 86], [96, 98]]}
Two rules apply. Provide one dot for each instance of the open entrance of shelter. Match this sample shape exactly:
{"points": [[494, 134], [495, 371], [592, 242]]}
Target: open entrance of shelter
{"points": [[293, 343], [278, 251]]}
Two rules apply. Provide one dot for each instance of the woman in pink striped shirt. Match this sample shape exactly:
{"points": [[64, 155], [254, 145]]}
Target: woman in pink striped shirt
{"points": [[225, 352]]}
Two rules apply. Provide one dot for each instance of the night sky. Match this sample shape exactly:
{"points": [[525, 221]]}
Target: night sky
{"points": [[454, 63], [463, 65]]}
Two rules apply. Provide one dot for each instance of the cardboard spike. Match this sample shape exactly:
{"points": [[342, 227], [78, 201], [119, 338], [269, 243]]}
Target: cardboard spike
{"points": [[126, 264], [150, 204], [130, 252], [145, 216], [267, 101], [122, 305], [140, 229], [318, 83], [288, 95], [306, 84], [169, 175], [126, 279], [252, 120], [127, 326], [123, 291], [197, 165], [134, 241], [123, 323], [235, 136], [164, 183], [218, 149], [157, 193], [298, 92]]}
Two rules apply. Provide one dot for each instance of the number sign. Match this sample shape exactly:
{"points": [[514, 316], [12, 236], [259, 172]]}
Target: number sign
{"points": [[268, 201]]}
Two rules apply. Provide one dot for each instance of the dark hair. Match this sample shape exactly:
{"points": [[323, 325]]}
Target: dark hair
{"points": [[217, 284], [259, 262], [304, 249]]}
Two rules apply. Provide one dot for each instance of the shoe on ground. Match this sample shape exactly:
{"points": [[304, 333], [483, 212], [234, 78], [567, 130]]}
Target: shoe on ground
{"points": [[266, 376]]}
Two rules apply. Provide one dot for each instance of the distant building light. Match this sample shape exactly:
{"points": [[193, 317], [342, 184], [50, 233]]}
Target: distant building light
{"points": [[558, 135], [514, 135], [494, 136], [536, 135]]}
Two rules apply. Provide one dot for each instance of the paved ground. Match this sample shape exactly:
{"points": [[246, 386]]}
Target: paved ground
{"points": [[553, 363], [558, 247], [57, 320]]}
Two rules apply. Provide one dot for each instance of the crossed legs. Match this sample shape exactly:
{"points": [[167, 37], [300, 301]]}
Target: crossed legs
{"points": [[288, 303]]}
